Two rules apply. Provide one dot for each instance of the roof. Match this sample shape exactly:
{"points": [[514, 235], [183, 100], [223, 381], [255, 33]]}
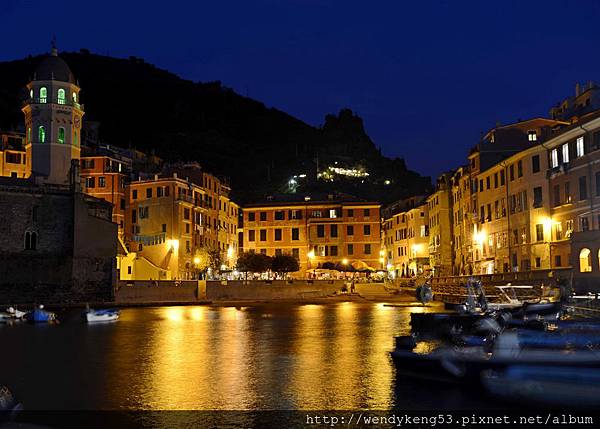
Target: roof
{"points": [[54, 67], [314, 198]]}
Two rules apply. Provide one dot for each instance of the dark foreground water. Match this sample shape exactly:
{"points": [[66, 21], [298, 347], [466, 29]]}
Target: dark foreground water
{"points": [[192, 358]]}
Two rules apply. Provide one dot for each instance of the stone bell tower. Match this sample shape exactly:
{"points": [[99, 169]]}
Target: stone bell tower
{"points": [[53, 118]]}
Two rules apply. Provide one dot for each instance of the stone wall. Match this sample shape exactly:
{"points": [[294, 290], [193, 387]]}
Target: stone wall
{"points": [[147, 292]]}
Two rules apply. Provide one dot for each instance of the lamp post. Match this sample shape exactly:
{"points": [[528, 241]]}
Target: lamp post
{"points": [[311, 257]]}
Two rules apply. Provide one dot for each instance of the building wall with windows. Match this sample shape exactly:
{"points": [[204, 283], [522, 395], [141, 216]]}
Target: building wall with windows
{"points": [[169, 220], [462, 219], [316, 231], [441, 231], [406, 242], [106, 177], [13, 158]]}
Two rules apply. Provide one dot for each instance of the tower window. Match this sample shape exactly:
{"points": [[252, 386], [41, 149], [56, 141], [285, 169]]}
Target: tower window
{"points": [[43, 94], [61, 135], [74, 97], [41, 134], [29, 135], [30, 240], [31, 93], [61, 96], [75, 139]]}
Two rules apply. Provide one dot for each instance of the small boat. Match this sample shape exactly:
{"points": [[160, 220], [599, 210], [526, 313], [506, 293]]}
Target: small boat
{"points": [[563, 386], [11, 315], [39, 315], [8, 404], [105, 315]]}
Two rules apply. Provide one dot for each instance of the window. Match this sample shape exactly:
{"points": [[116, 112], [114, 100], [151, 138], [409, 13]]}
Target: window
{"points": [[295, 234], [535, 163], [101, 182], [520, 169], [584, 224], [320, 230], [41, 135], [263, 235], [539, 232], [134, 194], [144, 212], [367, 212], [30, 240], [350, 230], [90, 182], [332, 213], [186, 213], [585, 260], [598, 183], [251, 235], [29, 135], [43, 94], [567, 192], [148, 192], [532, 135], [556, 195], [350, 249], [538, 262], [279, 215], [333, 251], [554, 158], [367, 229], [557, 261], [582, 188], [495, 180], [487, 182], [164, 227], [565, 152], [580, 147], [334, 230], [251, 217], [367, 249], [263, 216], [278, 252], [350, 213], [61, 96], [74, 97], [133, 216], [76, 138], [277, 234], [61, 135], [502, 178], [511, 172], [537, 197]]}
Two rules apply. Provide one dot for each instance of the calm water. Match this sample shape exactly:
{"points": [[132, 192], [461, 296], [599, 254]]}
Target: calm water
{"points": [[268, 357]]}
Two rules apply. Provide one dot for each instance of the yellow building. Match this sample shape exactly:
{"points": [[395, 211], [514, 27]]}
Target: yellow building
{"points": [[13, 158], [462, 219], [172, 221], [406, 240], [440, 222]]}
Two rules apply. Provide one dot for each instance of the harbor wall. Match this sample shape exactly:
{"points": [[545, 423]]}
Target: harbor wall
{"points": [[148, 292]]}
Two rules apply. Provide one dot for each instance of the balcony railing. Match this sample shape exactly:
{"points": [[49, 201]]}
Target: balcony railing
{"points": [[48, 100]]}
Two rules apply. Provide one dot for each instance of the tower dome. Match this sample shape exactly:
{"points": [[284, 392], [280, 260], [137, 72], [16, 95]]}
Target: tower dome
{"points": [[54, 67]]}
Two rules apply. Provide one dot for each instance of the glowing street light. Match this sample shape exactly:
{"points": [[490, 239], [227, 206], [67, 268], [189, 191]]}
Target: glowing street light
{"points": [[345, 261]]}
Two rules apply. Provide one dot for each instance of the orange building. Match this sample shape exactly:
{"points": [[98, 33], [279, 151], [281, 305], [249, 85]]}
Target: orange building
{"points": [[106, 176], [335, 228]]}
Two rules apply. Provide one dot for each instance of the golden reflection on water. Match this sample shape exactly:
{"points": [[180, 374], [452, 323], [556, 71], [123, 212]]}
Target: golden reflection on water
{"points": [[273, 357]]}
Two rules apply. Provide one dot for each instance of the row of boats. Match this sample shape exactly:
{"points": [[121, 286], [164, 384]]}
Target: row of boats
{"points": [[534, 351], [40, 315]]}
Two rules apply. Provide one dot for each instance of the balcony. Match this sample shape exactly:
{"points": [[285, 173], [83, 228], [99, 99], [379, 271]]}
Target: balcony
{"points": [[55, 100]]}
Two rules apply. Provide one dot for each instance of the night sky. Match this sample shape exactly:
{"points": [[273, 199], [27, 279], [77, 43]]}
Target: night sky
{"points": [[426, 77]]}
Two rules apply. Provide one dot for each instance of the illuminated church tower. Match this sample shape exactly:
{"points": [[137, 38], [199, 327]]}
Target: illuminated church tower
{"points": [[53, 121]]}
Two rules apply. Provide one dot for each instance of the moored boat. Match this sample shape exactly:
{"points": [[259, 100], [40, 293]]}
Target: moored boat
{"points": [[104, 315], [39, 315]]}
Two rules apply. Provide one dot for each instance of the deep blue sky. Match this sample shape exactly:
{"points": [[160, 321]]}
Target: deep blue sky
{"points": [[426, 76]]}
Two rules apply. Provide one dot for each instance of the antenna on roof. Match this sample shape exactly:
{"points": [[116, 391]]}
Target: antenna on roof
{"points": [[54, 51]]}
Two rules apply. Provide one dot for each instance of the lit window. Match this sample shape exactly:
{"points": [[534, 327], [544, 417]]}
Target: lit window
{"points": [[532, 135], [31, 93], [61, 96], [554, 158], [43, 94], [580, 147], [42, 135], [76, 141], [29, 135], [332, 213], [585, 260], [74, 97], [565, 152], [61, 135]]}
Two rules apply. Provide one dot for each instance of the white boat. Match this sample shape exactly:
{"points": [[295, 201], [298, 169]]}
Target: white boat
{"points": [[107, 315], [11, 315]]}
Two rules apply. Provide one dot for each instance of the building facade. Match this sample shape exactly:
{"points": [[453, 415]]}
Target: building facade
{"points": [[316, 230]]}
